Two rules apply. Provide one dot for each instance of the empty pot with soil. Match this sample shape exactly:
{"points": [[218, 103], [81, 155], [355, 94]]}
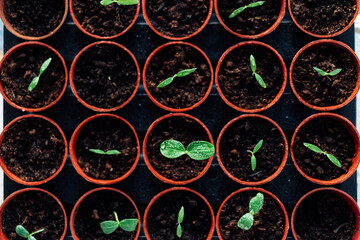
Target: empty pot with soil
{"points": [[179, 213], [32, 211], [33, 150], [251, 76], [326, 213], [105, 214], [33, 76], [104, 149], [325, 148]]}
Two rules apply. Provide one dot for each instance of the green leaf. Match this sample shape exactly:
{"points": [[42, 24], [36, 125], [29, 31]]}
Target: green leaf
{"points": [[33, 83], [109, 227], [237, 11], [258, 146], [21, 231], [200, 150], [260, 80], [101, 152], [129, 225], [45, 65], [334, 160], [246, 221], [32, 238], [112, 152], [185, 72], [313, 148], [127, 2], [181, 215], [38, 231], [97, 151], [252, 63], [253, 162], [172, 148], [255, 4], [335, 72], [319, 71], [179, 231], [256, 203], [106, 2], [166, 82]]}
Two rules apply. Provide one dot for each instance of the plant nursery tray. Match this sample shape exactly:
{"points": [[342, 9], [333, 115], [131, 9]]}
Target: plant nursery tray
{"points": [[141, 186]]}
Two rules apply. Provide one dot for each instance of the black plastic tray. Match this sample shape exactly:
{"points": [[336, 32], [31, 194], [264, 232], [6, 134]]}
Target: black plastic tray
{"points": [[141, 186]]}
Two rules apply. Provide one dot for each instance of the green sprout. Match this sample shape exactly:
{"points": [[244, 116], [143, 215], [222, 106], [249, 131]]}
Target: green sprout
{"points": [[120, 2], [22, 232], [180, 220], [257, 76], [253, 158], [36, 79], [198, 150], [241, 9], [255, 205], [101, 152], [182, 73], [316, 149], [129, 225], [324, 74]]}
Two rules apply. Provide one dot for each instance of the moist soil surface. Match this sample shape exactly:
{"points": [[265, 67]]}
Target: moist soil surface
{"points": [[32, 149], [325, 215], [163, 216], [269, 222], [185, 130], [105, 76], [251, 21], [34, 210], [106, 134], [103, 20], [331, 136], [177, 18], [243, 135], [98, 207], [183, 92], [34, 18], [330, 90], [22, 67], [238, 84], [323, 17]]}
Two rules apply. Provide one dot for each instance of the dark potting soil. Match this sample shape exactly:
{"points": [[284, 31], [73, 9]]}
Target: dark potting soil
{"points": [[331, 136], [163, 216], [177, 18], [238, 84], [325, 215], [33, 149], [20, 69], [103, 20], [330, 90], [183, 92], [323, 17], [242, 136], [105, 76], [98, 207], [34, 210], [269, 222], [251, 21], [34, 18], [106, 133], [185, 130]]}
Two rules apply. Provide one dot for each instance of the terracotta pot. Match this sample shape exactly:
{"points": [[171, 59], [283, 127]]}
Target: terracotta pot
{"points": [[260, 35], [145, 80], [17, 193], [83, 197], [351, 129], [337, 44], [271, 177], [343, 195], [176, 38], [15, 178], [77, 23], [72, 74], [251, 43], [178, 189], [146, 157], [74, 158], [15, 49], [286, 227]]}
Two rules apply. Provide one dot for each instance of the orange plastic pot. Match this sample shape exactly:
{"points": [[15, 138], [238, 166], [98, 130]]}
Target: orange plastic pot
{"points": [[74, 158], [271, 177], [286, 227], [212, 228], [145, 79], [260, 35], [146, 157], [19, 192], [337, 44], [19, 47], [15, 178], [352, 203], [353, 132], [245, 44], [72, 74], [83, 197]]}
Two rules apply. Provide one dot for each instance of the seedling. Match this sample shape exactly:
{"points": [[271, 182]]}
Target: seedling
{"points": [[241, 9], [316, 149], [101, 152], [22, 232], [129, 225], [257, 76], [36, 79], [180, 220], [253, 158], [255, 205], [182, 73], [324, 74], [198, 150], [120, 2]]}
